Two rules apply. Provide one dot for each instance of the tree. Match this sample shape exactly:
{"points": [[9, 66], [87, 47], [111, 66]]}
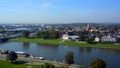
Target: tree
{"points": [[12, 56], [97, 63], [47, 65], [39, 34], [45, 34], [53, 34], [82, 37], [89, 40], [69, 58], [26, 34], [48, 34]]}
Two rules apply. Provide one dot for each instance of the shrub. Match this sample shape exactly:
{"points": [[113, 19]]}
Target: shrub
{"points": [[89, 40], [12, 56], [69, 58], [47, 65], [98, 63]]}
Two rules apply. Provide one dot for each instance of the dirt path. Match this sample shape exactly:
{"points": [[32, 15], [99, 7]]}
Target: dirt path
{"points": [[29, 67], [61, 41]]}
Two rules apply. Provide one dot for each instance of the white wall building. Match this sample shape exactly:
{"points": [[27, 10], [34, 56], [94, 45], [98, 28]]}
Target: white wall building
{"points": [[108, 39], [97, 39], [65, 37]]}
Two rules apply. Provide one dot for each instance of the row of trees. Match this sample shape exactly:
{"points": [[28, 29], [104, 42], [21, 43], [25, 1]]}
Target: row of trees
{"points": [[53, 34], [47, 34], [83, 37], [96, 63]]}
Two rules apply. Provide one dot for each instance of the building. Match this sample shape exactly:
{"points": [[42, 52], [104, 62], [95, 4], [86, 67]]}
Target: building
{"points": [[97, 39], [65, 37], [108, 39], [118, 38], [74, 37]]}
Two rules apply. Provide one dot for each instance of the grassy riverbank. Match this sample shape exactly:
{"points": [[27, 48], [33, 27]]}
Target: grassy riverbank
{"points": [[60, 41], [31, 63], [4, 64], [37, 40]]}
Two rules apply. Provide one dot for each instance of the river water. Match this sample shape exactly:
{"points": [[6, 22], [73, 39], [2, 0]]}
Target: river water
{"points": [[82, 55]]}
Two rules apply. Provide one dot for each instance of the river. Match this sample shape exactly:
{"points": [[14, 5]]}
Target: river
{"points": [[82, 55]]}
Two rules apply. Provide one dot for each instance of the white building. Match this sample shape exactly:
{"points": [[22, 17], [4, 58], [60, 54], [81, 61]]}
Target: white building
{"points": [[108, 39], [97, 39], [65, 37]]}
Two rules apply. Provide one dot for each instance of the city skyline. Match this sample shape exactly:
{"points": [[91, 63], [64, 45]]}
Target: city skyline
{"points": [[59, 11]]}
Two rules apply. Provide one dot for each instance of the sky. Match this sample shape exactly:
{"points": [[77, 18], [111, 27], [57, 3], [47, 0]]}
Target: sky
{"points": [[59, 11]]}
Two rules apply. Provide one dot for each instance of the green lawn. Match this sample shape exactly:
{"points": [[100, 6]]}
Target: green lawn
{"points": [[60, 41], [37, 40], [4, 64], [99, 45]]}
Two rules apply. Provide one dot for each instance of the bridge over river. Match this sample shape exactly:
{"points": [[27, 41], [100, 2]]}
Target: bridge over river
{"points": [[5, 39]]}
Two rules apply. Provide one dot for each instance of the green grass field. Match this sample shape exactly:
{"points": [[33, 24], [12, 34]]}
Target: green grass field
{"points": [[60, 41], [4, 64], [37, 40]]}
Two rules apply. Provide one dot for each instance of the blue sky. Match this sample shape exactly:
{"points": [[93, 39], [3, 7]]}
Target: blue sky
{"points": [[59, 11]]}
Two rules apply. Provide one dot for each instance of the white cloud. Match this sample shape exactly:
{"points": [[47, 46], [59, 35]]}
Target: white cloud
{"points": [[46, 5]]}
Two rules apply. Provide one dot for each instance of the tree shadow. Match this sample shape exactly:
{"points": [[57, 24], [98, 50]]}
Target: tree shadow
{"points": [[20, 62]]}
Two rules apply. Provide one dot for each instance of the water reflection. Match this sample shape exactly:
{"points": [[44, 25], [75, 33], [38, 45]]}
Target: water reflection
{"points": [[48, 50], [81, 49], [82, 55], [85, 49], [47, 46], [26, 45], [109, 51], [88, 49]]}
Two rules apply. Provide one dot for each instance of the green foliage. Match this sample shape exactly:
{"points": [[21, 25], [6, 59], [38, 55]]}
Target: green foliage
{"points": [[81, 67], [52, 34], [98, 63], [48, 65], [12, 56], [69, 58], [89, 40], [25, 34], [4, 64], [82, 37], [58, 41], [48, 34], [39, 34]]}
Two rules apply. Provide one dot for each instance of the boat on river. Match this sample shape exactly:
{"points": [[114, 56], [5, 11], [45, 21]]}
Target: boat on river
{"points": [[20, 52], [37, 57]]}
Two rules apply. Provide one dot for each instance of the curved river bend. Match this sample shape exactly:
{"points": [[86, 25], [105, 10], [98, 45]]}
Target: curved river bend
{"points": [[82, 55]]}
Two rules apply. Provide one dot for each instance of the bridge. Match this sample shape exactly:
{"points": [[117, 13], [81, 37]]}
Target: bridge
{"points": [[5, 39]]}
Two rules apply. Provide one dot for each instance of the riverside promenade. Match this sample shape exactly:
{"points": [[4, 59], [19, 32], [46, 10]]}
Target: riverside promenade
{"points": [[32, 61]]}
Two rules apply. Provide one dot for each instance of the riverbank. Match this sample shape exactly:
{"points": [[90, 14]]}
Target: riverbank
{"points": [[4, 64], [64, 42], [34, 63]]}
